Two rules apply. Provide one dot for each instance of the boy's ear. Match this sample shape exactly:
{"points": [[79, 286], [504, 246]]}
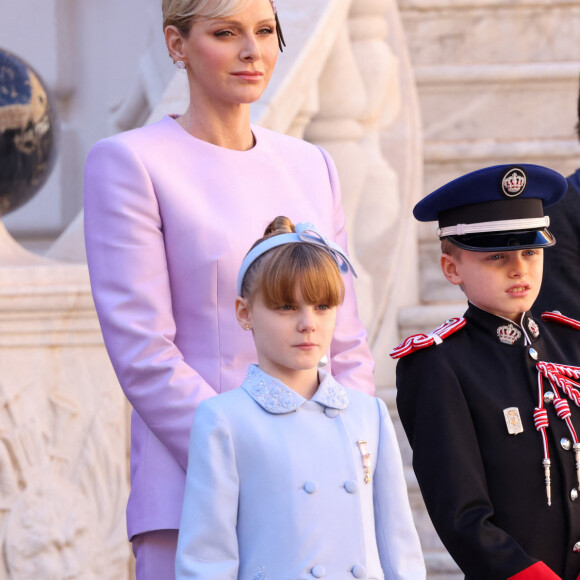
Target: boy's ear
{"points": [[243, 313], [449, 267]]}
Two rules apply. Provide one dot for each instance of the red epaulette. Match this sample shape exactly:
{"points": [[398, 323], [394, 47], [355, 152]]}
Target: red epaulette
{"points": [[419, 341], [556, 316]]}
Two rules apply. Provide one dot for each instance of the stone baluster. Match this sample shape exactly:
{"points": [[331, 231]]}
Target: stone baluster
{"points": [[379, 204], [336, 127]]}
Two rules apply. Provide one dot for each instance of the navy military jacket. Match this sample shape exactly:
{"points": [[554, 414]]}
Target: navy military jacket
{"points": [[562, 262], [484, 488]]}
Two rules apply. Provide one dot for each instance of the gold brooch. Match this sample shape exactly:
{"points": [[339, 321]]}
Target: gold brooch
{"points": [[366, 459]]}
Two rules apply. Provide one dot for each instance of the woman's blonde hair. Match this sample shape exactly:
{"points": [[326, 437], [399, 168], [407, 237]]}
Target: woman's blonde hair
{"points": [[181, 13], [281, 270]]}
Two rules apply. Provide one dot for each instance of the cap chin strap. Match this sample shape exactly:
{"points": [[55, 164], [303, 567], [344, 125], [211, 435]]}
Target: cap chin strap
{"points": [[497, 226]]}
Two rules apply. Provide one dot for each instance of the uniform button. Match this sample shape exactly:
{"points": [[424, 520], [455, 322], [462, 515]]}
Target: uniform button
{"points": [[330, 412], [310, 487], [576, 547], [358, 570], [573, 494], [318, 571], [565, 443], [548, 397], [351, 486], [533, 353]]}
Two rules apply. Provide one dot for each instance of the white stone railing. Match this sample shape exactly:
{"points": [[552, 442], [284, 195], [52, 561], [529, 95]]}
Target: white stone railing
{"points": [[343, 82]]}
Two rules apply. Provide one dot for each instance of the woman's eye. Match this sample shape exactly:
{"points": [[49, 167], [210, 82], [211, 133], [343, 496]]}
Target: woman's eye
{"points": [[266, 30], [223, 33]]}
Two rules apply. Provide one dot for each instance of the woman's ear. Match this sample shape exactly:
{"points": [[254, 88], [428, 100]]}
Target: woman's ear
{"points": [[243, 313], [450, 269], [174, 43]]}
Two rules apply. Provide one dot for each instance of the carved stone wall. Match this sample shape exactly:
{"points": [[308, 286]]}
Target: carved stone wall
{"points": [[63, 460]]}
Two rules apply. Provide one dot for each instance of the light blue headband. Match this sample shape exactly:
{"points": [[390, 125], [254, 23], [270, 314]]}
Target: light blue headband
{"points": [[306, 233]]}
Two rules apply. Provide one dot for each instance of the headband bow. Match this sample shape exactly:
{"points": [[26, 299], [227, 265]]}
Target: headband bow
{"points": [[305, 233]]}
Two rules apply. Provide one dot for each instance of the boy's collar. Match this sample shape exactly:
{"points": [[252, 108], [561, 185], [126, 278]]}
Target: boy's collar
{"points": [[276, 397], [505, 331]]}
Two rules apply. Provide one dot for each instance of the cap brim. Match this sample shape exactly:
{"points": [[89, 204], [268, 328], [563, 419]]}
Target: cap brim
{"points": [[504, 241]]}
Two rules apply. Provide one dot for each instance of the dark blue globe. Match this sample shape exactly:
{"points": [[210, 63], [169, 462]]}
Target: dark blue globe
{"points": [[27, 133]]}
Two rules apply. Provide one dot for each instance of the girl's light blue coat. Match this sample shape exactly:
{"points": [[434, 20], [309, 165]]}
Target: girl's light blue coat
{"points": [[276, 488]]}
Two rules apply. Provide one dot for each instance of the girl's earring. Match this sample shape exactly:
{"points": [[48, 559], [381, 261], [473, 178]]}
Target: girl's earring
{"points": [[180, 64]]}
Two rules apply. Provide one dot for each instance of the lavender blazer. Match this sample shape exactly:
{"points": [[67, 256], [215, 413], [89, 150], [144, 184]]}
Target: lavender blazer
{"points": [[168, 219]]}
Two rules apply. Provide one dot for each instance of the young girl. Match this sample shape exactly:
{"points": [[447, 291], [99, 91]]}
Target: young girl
{"points": [[293, 476]]}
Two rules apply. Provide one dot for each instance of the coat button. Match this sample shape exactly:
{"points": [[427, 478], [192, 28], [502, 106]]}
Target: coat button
{"points": [[318, 571], [330, 412], [576, 547], [358, 571], [533, 353], [351, 486], [310, 487], [565, 443]]}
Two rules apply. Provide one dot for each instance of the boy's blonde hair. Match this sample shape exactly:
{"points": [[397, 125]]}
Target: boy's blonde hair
{"points": [[280, 271], [448, 247]]}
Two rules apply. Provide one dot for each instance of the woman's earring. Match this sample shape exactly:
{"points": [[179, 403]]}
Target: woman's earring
{"points": [[180, 64], [248, 327]]}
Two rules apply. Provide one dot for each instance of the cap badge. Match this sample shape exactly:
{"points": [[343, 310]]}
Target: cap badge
{"points": [[513, 182], [533, 328], [513, 420], [508, 334]]}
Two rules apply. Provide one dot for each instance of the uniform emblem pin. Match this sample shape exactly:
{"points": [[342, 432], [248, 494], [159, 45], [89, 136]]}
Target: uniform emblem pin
{"points": [[534, 329], [513, 182], [513, 420], [508, 334]]}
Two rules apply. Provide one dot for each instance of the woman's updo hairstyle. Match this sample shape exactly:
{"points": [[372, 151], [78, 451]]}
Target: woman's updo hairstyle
{"points": [[278, 272], [181, 13]]}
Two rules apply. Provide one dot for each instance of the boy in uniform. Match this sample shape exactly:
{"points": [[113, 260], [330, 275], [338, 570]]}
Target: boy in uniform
{"points": [[489, 401]]}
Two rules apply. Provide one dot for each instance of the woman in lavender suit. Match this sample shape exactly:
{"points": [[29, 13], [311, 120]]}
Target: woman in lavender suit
{"points": [[169, 211]]}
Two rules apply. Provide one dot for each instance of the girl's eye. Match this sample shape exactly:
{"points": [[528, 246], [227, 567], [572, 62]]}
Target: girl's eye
{"points": [[285, 307], [323, 307]]}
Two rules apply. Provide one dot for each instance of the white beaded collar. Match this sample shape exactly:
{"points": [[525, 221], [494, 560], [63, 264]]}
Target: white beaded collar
{"points": [[275, 397]]}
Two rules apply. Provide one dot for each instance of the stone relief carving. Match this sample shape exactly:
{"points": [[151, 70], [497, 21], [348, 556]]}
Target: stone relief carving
{"points": [[62, 490]]}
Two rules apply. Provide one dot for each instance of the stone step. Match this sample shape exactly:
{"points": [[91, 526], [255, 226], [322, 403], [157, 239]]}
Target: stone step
{"points": [[532, 101], [490, 31], [426, 317]]}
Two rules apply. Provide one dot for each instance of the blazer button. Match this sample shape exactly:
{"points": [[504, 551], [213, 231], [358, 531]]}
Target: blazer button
{"points": [[351, 486], [310, 487], [318, 571], [330, 412], [358, 571]]}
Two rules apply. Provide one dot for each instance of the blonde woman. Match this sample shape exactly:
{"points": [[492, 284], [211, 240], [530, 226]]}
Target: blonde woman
{"points": [[169, 211]]}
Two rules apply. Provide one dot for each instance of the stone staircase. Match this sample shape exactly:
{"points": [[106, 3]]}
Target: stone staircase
{"points": [[497, 83]]}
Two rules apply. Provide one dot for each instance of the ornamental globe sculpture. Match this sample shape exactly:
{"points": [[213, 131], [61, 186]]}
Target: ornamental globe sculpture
{"points": [[27, 133]]}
